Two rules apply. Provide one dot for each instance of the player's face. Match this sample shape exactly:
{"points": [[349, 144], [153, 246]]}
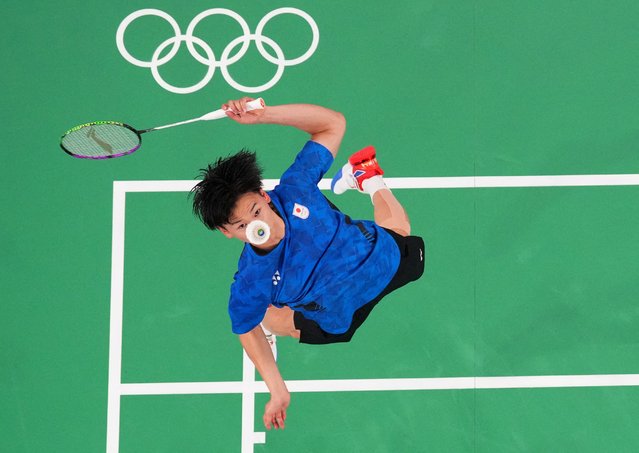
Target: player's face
{"points": [[249, 207]]}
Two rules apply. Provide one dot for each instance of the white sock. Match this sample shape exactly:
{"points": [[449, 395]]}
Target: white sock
{"points": [[373, 184]]}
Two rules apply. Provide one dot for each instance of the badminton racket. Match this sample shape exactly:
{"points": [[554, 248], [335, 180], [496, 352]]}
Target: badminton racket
{"points": [[109, 139]]}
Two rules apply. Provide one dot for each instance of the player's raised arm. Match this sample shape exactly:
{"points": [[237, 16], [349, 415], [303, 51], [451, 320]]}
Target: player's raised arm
{"points": [[325, 126], [259, 351]]}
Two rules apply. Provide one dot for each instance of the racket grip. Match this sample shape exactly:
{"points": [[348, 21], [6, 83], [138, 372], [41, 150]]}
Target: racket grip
{"points": [[255, 104]]}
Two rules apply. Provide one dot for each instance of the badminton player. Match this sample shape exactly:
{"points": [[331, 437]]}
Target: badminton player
{"points": [[307, 270]]}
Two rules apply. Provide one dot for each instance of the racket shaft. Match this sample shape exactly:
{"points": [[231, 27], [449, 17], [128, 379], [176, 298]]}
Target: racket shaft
{"points": [[172, 125], [214, 115]]}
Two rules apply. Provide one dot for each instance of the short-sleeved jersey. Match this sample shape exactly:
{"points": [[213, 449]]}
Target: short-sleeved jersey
{"points": [[326, 266]]}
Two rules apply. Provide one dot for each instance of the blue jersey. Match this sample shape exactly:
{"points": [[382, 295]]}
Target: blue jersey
{"points": [[326, 266]]}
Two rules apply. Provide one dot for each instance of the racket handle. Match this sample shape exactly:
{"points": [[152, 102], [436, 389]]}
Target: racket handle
{"points": [[221, 113]]}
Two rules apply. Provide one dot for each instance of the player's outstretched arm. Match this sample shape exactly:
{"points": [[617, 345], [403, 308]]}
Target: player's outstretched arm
{"points": [[256, 346], [325, 126]]}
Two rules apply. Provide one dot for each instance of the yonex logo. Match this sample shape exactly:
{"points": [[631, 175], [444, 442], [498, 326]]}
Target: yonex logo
{"points": [[225, 60], [276, 278], [358, 173]]}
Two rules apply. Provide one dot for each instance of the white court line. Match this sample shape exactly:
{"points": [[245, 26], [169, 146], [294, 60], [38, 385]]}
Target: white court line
{"points": [[249, 436], [248, 386], [455, 182], [115, 333], [377, 385]]}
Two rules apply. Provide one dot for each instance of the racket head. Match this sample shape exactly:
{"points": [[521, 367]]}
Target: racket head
{"points": [[101, 140]]}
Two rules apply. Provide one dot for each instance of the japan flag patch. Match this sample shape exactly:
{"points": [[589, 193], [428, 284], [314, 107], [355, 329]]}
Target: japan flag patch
{"points": [[300, 211]]}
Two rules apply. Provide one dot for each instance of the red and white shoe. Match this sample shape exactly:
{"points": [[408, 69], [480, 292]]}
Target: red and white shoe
{"points": [[360, 167]]}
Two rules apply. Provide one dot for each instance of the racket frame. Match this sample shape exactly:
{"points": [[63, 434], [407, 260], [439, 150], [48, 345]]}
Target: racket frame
{"points": [[255, 104], [95, 123]]}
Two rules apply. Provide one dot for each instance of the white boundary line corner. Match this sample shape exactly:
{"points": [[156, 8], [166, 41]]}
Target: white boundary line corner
{"points": [[248, 387]]}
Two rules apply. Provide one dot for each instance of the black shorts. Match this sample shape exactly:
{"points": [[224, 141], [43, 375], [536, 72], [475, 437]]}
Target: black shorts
{"points": [[411, 267]]}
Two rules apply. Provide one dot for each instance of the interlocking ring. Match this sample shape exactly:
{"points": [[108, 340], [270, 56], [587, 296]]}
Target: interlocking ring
{"points": [[209, 59]]}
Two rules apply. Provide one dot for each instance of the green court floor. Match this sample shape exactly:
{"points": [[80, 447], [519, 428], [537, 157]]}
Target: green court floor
{"points": [[520, 281]]}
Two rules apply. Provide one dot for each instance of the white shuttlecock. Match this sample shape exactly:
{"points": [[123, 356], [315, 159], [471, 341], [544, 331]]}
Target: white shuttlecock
{"points": [[258, 232]]}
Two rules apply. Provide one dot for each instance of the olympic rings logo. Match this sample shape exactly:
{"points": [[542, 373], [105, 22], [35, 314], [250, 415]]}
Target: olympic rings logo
{"points": [[210, 60]]}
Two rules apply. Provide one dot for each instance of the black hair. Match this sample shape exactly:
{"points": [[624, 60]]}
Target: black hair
{"points": [[223, 183]]}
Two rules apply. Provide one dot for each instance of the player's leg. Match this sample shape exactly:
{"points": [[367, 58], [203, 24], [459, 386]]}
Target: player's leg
{"points": [[389, 213], [280, 322], [362, 172]]}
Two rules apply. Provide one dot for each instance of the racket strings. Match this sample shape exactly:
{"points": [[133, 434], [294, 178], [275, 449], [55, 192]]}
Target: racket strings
{"points": [[101, 140]]}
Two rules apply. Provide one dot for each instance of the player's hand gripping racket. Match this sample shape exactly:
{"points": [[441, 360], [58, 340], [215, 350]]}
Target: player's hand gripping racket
{"points": [[108, 139]]}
